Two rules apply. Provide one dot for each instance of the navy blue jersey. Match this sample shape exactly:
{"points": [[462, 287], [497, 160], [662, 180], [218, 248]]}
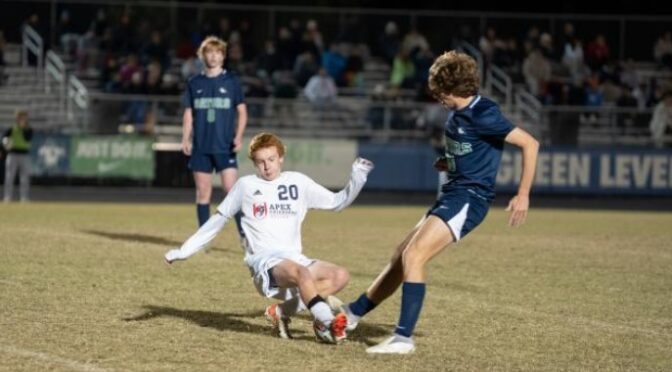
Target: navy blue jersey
{"points": [[213, 102], [474, 139]]}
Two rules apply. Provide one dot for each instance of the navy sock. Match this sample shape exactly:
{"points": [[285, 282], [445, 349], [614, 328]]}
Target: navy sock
{"points": [[412, 296], [203, 213], [238, 225], [362, 306]]}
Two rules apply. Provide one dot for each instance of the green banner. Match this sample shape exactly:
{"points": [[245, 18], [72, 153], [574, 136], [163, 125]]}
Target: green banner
{"points": [[112, 156]]}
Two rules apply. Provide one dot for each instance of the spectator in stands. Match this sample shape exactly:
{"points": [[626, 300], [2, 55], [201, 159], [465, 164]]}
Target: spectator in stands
{"points": [[67, 35], [662, 51], [546, 47], [224, 30], [16, 141], [532, 40], [414, 40], [573, 60], [334, 62], [661, 121], [305, 67], [354, 67], [597, 53], [100, 23], [567, 36], [123, 36], [314, 35], [389, 42], [235, 59], [136, 110], [422, 61], [507, 56], [247, 42], [487, 42], [287, 51], [155, 50], [284, 88], [321, 90], [537, 73], [403, 71], [33, 21], [269, 59]]}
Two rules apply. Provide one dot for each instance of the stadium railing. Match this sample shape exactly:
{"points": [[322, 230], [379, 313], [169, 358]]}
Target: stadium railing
{"points": [[32, 44], [348, 117]]}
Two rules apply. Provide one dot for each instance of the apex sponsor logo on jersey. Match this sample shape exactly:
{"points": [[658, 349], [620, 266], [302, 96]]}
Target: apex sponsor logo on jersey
{"points": [[281, 209], [259, 211]]}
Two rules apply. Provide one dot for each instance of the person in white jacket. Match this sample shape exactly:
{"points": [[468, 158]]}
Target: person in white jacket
{"points": [[273, 204], [661, 121]]}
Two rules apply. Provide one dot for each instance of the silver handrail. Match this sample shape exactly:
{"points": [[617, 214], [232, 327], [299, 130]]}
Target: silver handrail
{"points": [[32, 43], [498, 81], [466, 47]]}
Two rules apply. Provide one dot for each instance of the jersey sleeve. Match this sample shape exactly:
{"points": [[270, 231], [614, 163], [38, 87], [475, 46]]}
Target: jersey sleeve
{"points": [[233, 201], [493, 123], [211, 228]]}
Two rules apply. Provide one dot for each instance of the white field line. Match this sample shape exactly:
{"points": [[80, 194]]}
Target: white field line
{"points": [[51, 359]]}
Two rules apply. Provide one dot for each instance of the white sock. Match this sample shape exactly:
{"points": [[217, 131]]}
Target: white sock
{"points": [[322, 312], [403, 339], [351, 317]]}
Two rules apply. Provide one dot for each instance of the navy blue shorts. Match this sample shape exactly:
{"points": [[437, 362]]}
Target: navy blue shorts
{"points": [[206, 163], [462, 210]]}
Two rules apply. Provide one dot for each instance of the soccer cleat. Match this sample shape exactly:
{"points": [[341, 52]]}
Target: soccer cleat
{"points": [[392, 346], [280, 324], [353, 320], [335, 333]]}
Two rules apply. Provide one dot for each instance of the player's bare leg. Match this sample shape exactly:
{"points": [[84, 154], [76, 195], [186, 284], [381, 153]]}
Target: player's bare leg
{"points": [[432, 238], [203, 183], [327, 327], [329, 278], [387, 282], [392, 275]]}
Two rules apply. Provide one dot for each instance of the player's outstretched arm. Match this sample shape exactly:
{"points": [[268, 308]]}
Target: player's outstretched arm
{"points": [[320, 198], [199, 240], [520, 203]]}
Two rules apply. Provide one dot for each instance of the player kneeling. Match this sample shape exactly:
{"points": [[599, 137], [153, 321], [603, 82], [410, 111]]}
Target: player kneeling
{"points": [[273, 204]]}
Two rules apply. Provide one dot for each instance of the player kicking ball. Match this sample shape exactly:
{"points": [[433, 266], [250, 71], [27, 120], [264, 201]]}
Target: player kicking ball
{"points": [[273, 204], [475, 133]]}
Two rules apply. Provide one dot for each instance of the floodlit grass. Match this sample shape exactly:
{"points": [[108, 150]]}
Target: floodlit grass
{"points": [[84, 287]]}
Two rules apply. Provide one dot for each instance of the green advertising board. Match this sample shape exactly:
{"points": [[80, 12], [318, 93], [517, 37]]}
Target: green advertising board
{"points": [[112, 156]]}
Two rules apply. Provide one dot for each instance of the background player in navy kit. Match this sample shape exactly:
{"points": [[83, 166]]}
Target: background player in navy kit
{"points": [[213, 124], [475, 133]]}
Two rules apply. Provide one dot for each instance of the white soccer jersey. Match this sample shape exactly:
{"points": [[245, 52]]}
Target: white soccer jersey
{"points": [[272, 211]]}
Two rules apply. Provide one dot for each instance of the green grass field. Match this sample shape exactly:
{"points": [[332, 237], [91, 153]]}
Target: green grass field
{"points": [[83, 287]]}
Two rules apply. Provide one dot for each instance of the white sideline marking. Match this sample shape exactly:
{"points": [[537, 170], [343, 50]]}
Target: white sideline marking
{"points": [[75, 365]]}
